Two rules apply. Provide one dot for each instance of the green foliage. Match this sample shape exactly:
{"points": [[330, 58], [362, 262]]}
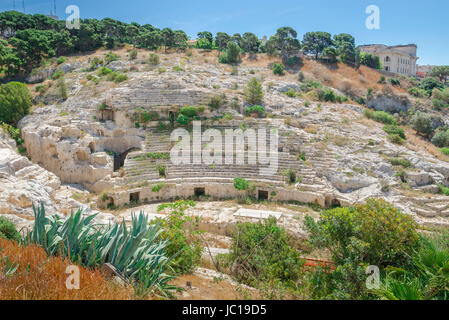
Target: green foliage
{"points": [[253, 92], [183, 120], [309, 85], [161, 169], [445, 151], [441, 138], [426, 279], [137, 253], [345, 45], [370, 60], [440, 72], [375, 233], [400, 162], [15, 102], [231, 55], [157, 187], [418, 92], [429, 84], [380, 116], [62, 89], [395, 82], [181, 232], [217, 101], [396, 138], [315, 42], [111, 56], [263, 252], [278, 69], [133, 54], [241, 184], [104, 71], [422, 123], [57, 75], [259, 110], [117, 77], [61, 60], [8, 230], [153, 59], [392, 129]]}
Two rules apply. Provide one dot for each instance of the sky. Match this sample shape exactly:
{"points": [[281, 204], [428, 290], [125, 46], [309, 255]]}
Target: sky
{"points": [[425, 23]]}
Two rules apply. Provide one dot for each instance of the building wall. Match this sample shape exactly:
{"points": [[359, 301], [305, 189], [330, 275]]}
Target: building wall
{"points": [[398, 59]]}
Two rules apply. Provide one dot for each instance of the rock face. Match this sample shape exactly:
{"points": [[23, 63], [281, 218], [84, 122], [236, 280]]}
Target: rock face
{"points": [[23, 184], [386, 101]]}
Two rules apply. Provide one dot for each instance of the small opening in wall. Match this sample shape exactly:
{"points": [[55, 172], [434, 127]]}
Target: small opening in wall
{"points": [[200, 192], [263, 195], [134, 197]]}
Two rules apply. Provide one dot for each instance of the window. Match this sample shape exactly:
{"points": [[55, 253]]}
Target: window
{"points": [[387, 59]]}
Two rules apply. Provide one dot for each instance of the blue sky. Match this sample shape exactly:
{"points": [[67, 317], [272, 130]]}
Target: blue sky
{"points": [[425, 23]]}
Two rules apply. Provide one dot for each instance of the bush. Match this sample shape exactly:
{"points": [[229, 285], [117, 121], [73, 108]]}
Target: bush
{"points": [[278, 68], [62, 89], [103, 71], [418, 92], [395, 82], [111, 57], [181, 232], [422, 123], [157, 187], [133, 54], [259, 110], [241, 184], [400, 162], [216, 102], [326, 95], [153, 59], [253, 92], [375, 233], [57, 75], [441, 139], [61, 60], [232, 53], [183, 120], [15, 102], [380, 116], [392, 129], [396, 139], [445, 151], [262, 252], [117, 77], [370, 60], [8, 230], [429, 84]]}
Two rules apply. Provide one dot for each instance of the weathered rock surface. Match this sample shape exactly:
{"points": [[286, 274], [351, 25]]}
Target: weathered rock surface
{"points": [[23, 184]]}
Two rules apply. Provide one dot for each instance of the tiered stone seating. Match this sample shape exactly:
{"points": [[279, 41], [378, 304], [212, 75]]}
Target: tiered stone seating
{"points": [[141, 169]]}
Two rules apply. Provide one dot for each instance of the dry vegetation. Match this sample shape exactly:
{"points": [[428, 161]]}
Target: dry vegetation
{"points": [[40, 277]]}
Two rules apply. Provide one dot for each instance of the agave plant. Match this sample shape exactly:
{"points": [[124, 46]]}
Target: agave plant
{"points": [[136, 253]]}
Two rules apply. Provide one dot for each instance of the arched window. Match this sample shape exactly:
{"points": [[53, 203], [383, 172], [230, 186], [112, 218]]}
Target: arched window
{"points": [[387, 59]]}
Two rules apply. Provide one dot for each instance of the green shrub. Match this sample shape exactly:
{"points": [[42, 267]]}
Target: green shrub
{"points": [[400, 162], [241, 184], [327, 95], [183, 120], [133, 54], [253, 92], [441, 138], [392, 129], [422, 123], [8, 230], [380, 116], [291, 93], [161, 169], [181, 232], [153, 59], [396, 139], [61, 60], [57, 75], [309, 85], [157, 187], [395, 82], [62, 89], [189, 111], [111, 57], [216, 102], [278, 68], [15, 102], [262, 252], [375, 233], [103, 71], [445, 151], [259, 110], [231, 55], [418, 92]]}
